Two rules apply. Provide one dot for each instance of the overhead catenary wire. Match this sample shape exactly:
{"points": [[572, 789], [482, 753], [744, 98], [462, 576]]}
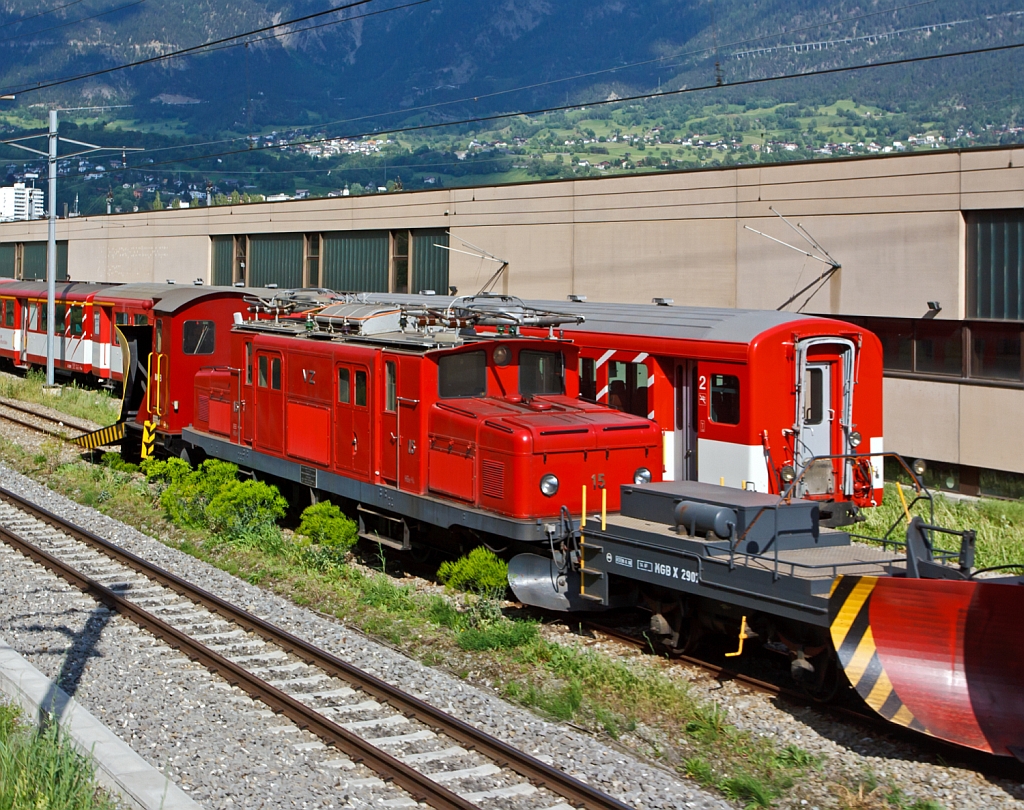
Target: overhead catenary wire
{"points": [[603, 102]]}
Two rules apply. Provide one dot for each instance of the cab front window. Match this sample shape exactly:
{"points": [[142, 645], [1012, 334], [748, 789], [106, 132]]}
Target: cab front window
{"points": [[541, 373], [462, 375]]}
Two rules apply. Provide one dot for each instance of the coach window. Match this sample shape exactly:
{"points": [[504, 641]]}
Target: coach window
{"points": [[197, 337], [361, 388], [390, 386], [76, 320], [275, 373], [588, 379], [248, 364], [33, 317], [261, 376], [8, 313], [540, 373], [462, 375], [627, 387], [813, 396], [344, 386], [725, 399]]}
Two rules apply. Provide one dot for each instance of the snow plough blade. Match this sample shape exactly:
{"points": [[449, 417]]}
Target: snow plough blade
{"points": [[943, 657]]}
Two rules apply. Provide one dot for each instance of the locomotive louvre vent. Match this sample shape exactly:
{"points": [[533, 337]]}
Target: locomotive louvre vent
{"points": [[493, 479], [204, 409], [361, 319]]}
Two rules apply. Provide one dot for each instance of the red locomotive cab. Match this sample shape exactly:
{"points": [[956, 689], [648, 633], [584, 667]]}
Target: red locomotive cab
{"points": [[508, 435]]}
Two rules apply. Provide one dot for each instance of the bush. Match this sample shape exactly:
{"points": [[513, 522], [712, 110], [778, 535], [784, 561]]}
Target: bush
{"points": [[115, 462], [479, 572], [190, 491], [164, 470], [325, 525], [246, 513]]}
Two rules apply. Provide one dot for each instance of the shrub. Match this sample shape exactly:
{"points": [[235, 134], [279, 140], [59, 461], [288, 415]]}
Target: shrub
{"points": [[246, 513], [479, 572], [165, 470], [325, 525], [190, 491]]}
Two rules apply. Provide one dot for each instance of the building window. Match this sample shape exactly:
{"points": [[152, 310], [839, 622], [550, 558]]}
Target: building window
{"points": [[995, 265], [400, 261], [241, 259], [939, 348], [311, 263], [995, 352]]}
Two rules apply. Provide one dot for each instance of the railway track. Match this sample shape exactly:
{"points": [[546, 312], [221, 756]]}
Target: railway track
{"points": [[59, 427], [276, 668]]}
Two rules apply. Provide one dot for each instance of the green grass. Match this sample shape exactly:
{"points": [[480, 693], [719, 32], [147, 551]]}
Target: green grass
{"points": [[999, 524], [39, 770], [84, 403]]}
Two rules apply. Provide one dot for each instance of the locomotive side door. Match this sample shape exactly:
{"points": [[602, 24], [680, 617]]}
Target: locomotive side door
{"points": [[389, 422], [400, 444], [684, 453], [269, 417], [246, 403], [352, 445]]}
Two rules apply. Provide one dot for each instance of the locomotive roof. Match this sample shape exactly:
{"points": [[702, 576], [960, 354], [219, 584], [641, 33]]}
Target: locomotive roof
{"points": [[651, 320]]}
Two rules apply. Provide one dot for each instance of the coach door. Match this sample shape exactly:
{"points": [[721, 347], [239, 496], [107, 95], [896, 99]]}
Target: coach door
{"points": [[269, 417], [824, 408], [352, 420], [681, 457]]}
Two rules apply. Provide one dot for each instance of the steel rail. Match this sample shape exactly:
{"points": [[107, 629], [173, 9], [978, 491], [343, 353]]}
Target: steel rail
{"points": [[502, 754], [60, 434]]}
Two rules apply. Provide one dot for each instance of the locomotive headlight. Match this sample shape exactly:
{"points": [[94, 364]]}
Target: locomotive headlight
{"points": [[855, 439], [549, 484], [642, 476], [502, 355], [919, 467], [788, 474]]}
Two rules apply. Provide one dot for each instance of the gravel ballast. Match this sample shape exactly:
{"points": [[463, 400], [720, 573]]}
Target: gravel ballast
{"points": [[227, 751]]}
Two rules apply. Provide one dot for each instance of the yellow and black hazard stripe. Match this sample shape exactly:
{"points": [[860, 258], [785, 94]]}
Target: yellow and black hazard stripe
{"points": [[112, 434], [850, 626], [148, 439]]}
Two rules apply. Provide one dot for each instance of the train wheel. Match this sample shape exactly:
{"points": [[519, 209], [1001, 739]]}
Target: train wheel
{"points": [[678, 625], [824, 683]]}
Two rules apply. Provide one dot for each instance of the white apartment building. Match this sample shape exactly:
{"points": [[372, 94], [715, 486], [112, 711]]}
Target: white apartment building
{"points": [[18, 202]]}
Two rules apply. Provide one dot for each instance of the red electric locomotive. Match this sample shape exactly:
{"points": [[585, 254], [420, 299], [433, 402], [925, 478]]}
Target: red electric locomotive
{"points": [[415, 416]]}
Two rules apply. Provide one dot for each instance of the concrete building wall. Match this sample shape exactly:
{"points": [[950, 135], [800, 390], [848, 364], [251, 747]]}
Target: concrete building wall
{"points": [[895, 223]]}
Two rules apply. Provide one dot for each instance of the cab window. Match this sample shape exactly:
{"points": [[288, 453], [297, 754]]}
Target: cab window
{"points": [[197, 337], [725, 399], [462, 375], [141, 320], [541, 373], [588, 379], [248, 364], [814, 398], [275, 373], [390, 386], [263, 363]]}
